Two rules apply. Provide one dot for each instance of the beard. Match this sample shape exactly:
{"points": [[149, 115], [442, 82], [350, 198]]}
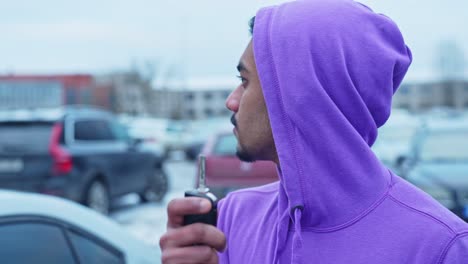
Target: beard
{"points": [[244, 155], [241, 153]]}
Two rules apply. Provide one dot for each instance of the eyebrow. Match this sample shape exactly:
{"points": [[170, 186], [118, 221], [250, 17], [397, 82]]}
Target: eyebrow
{"points": [[241, 67]]}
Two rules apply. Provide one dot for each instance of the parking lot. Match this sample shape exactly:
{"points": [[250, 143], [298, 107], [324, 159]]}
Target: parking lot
{"points": [[148, 221], [427, 150]]}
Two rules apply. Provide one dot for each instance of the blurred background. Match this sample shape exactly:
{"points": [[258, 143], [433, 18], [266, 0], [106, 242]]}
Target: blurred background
{"points": [[109, 103]]}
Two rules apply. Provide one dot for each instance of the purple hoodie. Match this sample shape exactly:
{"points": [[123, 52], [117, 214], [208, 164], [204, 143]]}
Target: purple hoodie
{"points": [[328, 70]]}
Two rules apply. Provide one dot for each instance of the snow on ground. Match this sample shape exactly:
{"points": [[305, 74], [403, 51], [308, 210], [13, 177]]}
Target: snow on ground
{"points": [[147, 222]]}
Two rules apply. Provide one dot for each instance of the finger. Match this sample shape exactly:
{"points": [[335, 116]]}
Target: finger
{"points": [[190, 255], [195, 234], [178, 208]]}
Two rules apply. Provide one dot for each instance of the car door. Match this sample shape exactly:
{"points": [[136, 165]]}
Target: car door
{"points": [[96, 147], [223, 168], [137, 165]]}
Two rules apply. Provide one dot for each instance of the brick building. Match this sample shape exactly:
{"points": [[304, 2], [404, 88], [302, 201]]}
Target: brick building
{"points": [[30, 91]]}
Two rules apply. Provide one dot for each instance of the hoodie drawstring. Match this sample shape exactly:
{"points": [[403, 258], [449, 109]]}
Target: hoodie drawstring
{"points": [[297, 238], [282, 235]]}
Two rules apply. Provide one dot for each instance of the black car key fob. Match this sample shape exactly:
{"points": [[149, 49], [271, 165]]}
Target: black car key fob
{"points": [[203, 192]]}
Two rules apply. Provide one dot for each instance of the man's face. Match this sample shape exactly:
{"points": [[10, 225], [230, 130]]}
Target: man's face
{"points": [[250, 118]]}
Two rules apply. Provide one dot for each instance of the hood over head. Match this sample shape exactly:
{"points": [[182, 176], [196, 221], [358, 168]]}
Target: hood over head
{"points": [[328, 70]]}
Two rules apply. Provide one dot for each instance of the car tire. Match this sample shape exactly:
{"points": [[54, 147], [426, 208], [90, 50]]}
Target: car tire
{"points": [[158, 185], [97, 197]]}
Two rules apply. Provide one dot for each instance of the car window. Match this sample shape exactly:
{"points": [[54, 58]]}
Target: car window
{"points": [[93, 130], [120, 131], [93, 252], [226, 145], [25, 137], [33, 243]]}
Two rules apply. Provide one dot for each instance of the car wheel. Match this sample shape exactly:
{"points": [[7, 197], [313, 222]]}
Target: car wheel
{"points": [[158, 185], [97, 197]]}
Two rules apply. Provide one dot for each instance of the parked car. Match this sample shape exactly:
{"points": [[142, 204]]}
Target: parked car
{"points": [[200, 132], [79, 153], [225, 172], [149, 131], [36, 228], [438, 163], [394, 138], [163, 135]]}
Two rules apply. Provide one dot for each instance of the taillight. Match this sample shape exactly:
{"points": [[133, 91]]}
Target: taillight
{"points": [[62, 161]]}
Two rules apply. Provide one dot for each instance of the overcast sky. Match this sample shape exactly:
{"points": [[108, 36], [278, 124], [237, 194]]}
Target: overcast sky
{"points": [[196, 38]]}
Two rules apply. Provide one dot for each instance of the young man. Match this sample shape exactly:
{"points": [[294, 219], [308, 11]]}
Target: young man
{"points": [[317, 81]]}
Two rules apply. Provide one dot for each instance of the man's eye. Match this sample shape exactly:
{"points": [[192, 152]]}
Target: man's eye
{"points": [[242, 79]]}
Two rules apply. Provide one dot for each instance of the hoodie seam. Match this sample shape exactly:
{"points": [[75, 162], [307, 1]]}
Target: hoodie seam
{"points": [[374, 206], [275, 83], [288, 124], [426, 215], [443, 255]]}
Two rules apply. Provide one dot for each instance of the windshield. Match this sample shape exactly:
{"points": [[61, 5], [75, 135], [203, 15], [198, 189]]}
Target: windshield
{"points": [[445, 146]]}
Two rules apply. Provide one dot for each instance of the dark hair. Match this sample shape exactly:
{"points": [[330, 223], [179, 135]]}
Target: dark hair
{"points": [[251, 25]]}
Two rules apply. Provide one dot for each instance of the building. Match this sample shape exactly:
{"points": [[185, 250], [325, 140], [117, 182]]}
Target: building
{"points": [[203, 98], [32, 91], [418, 96], [117, 92], [194, 98], [128, 92]]}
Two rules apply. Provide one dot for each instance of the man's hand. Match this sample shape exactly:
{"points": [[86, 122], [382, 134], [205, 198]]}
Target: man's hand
{"points": [[196, 243]]}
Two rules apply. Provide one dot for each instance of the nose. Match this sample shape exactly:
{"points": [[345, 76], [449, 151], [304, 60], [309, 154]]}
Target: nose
{"points": [[233, 100]]}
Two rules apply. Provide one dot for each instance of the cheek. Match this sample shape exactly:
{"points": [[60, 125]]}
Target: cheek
{"points": [[253, 117], [248, 107]]}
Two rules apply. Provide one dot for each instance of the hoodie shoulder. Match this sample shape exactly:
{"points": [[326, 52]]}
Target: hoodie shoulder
{"points": [[457, 250], [413, 199], [241, 200], [246, 203]]}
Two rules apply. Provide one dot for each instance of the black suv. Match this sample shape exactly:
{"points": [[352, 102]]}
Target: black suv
{"points": [[79, 153]]}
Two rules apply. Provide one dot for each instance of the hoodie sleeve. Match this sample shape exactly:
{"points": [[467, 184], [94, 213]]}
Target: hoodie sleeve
{"points": [[457, 251]]}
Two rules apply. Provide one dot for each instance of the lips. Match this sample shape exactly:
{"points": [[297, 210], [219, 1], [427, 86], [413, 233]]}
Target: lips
{"points": [[233, 120], [234, 123]]}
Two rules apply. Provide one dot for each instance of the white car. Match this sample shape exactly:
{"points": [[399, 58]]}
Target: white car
{"points": [[150, 130], [37, 228]]}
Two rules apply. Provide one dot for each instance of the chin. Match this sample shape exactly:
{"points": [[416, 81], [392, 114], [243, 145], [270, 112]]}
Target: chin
{"points": [[244, 155]]}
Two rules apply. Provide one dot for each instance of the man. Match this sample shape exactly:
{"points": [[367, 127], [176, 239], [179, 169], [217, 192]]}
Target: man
{"points": [[317, 81]]}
